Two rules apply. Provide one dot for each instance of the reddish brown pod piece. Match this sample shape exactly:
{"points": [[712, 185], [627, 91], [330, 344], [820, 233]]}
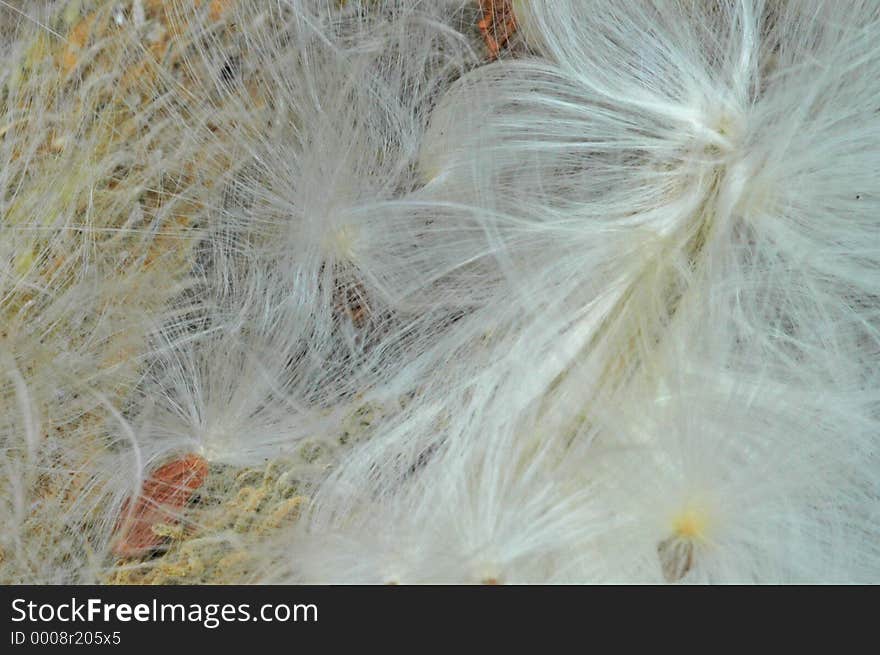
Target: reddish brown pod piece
{"points": [[161, 500], [497, 25]]}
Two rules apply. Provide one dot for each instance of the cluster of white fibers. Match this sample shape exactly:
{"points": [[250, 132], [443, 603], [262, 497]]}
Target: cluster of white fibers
{"points": [[610, 300], [653, 165]]}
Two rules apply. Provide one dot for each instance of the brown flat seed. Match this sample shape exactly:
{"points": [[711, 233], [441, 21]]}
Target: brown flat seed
{"points": [[161, 500], [497, 25]]}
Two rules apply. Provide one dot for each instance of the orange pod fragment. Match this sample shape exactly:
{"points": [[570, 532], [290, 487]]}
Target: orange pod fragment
{"points": [[161, 500], [497, 25]]}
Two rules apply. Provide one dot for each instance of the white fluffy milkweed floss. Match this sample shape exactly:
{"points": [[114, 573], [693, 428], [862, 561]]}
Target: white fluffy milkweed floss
{"points": [[297, 256], [348, 100], [723, 466], [684, 137], [506, 507], [617, 299]]}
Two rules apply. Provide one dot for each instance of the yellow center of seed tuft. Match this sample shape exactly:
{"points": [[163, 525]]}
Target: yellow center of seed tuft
{"points": [[690, 524]]}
